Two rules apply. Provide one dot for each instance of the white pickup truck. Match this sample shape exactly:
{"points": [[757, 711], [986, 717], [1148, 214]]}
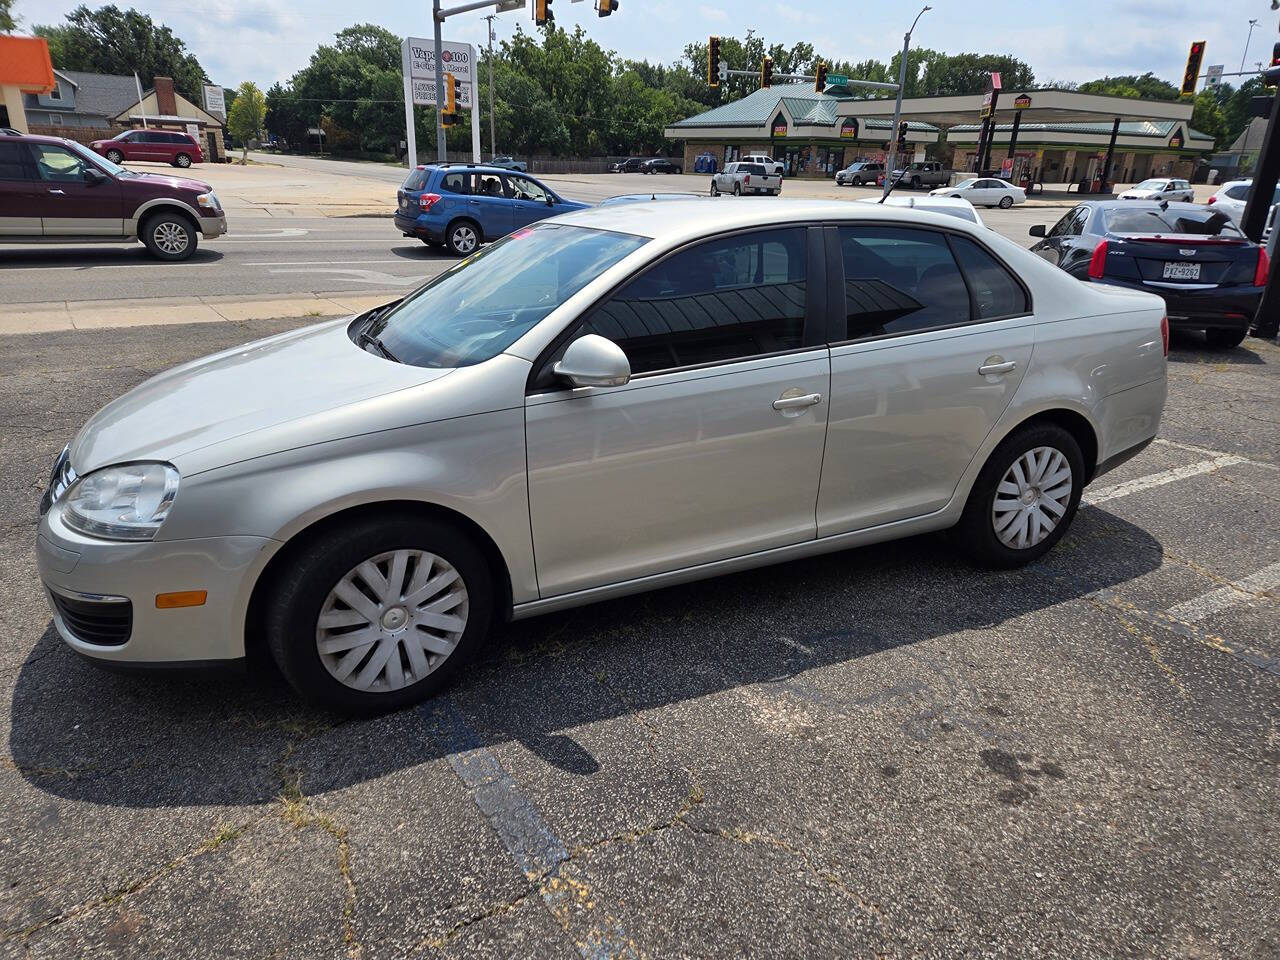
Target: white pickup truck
{"points": [[739, 178]]}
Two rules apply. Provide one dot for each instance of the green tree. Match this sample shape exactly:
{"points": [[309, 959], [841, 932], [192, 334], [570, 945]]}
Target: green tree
{"points": [[114, 41], [965, 73], [1147, 86], [248, 113], [8, 22], [1207, 117]]}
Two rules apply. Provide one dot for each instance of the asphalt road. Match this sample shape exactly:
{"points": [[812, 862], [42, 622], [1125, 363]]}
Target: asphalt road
{"points": [[882, 752]]}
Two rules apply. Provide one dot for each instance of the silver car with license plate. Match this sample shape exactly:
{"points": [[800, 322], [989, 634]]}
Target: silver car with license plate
{"points": [[612, 401]]}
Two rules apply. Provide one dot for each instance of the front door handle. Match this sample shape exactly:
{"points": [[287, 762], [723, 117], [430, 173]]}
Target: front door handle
{"points": [[58, 192], [793, 402], [995, 366]]}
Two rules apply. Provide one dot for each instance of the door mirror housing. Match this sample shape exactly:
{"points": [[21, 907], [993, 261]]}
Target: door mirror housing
{"points": [[93, 176], [551, 201], [1037, 230], [593, 361]]}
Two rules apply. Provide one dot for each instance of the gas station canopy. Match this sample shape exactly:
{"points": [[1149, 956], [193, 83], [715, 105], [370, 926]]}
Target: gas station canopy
{"points": [[1035, 106]]}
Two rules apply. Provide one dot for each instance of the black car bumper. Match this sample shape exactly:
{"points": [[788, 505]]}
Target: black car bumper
{"points": [[1218, 308]]}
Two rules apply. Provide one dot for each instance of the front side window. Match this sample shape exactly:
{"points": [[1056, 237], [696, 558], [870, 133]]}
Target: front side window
{"points": [[489, 185], [1062, 226], [58, 164], [726, 299], [483, 304], [897, 280], [522, 188]]}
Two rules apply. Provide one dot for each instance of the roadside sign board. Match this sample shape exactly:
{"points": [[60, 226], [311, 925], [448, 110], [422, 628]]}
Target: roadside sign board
{"points": [[418, 60], [837, 80], [1021, 102], [849, 129], [1213, 75], [779, 128], [215, 101]]}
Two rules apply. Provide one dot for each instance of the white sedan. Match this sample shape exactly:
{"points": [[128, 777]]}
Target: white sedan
{"points": [[984, 192], [1160, 188]]}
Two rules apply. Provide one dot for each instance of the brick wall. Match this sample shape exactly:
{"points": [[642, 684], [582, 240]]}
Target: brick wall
{"points": [[85, 135]]}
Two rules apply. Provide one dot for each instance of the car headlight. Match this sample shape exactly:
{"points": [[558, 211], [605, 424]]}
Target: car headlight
{"points": [[209, 201], [127, 502]]}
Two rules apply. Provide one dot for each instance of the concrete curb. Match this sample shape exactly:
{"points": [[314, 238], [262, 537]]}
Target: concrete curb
{"points": [[61, 315]]}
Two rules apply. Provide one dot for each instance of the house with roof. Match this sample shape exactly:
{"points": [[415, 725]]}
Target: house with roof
{"points": [[80, 106], [794, 123], [163, 108]]}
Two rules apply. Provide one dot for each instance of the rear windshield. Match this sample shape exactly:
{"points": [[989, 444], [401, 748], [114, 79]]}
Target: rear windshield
{"points": [[1207, 222], [750, 168], [416, 180], [483, 304]]}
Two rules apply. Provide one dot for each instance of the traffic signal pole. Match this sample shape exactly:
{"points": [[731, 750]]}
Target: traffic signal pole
{"points": [[437, 21], [897, 110]]}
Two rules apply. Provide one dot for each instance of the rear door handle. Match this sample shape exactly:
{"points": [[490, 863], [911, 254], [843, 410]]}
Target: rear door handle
{"points": [[991, 369], [795, 403], [60, 193]]}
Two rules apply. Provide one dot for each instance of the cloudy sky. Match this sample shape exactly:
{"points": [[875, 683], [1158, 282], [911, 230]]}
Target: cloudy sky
{"points": [[265, 41]]}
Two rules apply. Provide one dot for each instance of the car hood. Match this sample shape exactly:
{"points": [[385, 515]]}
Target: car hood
{"points": [[250, 388], [152, 180]]}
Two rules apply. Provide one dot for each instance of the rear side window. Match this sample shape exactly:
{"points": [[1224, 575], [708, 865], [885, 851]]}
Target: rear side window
{"points": [[726, 299], [898, 280], [1238, 191], [456, 183], [995, 292], [1207, 222], [15, 162]]}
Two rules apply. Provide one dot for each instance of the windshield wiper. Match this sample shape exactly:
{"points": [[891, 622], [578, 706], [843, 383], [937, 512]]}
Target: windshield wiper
{"points": [[366, 339]]}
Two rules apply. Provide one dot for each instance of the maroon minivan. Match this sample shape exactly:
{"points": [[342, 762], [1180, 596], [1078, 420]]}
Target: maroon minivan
{"points": [[162, 146], [56, 191]]}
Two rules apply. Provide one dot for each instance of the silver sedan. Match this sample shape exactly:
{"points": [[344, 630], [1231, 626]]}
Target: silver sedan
{"points": [[612, 401]]}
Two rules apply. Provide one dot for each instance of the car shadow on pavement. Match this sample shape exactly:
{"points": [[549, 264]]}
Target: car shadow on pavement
{"points": [[1188, 347], [162, 740], [420, 251], [97, 256]]}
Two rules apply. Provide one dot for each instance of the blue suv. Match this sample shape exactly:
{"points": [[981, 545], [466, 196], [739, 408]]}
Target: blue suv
{"points": [[462, 205]]}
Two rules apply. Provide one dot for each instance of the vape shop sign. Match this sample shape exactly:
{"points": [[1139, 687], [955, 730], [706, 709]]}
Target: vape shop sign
{"points": [[419, 62]]}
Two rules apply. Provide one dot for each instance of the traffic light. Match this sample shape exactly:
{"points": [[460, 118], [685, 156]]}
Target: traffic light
{"points": [[449, 112], [766, 72], [606, 7], [542, 14], [713, 62], [902, 135], [820, 80], [1192, 73]]}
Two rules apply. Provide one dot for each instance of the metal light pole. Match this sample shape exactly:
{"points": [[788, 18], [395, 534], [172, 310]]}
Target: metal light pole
{"points": [[897, 110], [493, 139], [1244, 56], [437, 21]]}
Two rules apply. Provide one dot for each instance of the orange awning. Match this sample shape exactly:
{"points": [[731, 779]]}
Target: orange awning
{"points": [[25, 64]]}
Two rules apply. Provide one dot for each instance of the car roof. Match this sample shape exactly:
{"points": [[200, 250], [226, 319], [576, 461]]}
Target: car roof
{"points": [[474, 167], [663, 219], [34, 137]]}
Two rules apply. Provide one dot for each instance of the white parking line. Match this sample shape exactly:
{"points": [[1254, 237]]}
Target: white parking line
{"points": [[321, 263], [1234, 594], [1103, 494], [1211, 453]]}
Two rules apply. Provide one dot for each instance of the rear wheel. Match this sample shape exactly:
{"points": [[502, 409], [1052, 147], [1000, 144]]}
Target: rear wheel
{"points": [[182, 160], [380, 613], [1006, 203], [1024, 499], [115, 156], [1224, 339], [915, 183], [169, 236], [462, 238], [737, 189]]}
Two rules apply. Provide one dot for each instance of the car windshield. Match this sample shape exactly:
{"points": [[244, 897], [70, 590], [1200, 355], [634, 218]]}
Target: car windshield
{"points": [[1151, 185], [483, 304], [102, 163], [1206, 222]]}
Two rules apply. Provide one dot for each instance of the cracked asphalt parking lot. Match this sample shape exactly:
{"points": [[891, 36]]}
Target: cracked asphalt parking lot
{"points": [[882, 752]]}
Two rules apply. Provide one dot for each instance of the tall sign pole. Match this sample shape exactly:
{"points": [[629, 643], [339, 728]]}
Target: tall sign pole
{"points": [[442, 153], [493, 139], [897, 110]]}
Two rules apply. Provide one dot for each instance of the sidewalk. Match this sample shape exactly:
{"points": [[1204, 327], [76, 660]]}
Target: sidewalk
{"points": [[58, 315]]}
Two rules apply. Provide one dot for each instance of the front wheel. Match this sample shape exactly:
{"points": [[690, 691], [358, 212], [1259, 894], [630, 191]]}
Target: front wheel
{"points": [[1006, 203], [463, 238], [380, 613], [715, 191], [169, 236], [1024, 499]]}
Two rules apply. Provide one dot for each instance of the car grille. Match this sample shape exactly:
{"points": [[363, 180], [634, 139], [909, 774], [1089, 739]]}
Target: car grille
{"points": [[103, 623]]}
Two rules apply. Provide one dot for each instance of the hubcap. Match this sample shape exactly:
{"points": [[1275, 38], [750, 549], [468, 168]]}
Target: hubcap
{"points": [[184, 162], [392, 620], [1032, 498], [170, 237], [464, 238]]}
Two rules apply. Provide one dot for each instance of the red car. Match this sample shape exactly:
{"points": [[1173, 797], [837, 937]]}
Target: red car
{"points": [[56, 191], [179, 149]]}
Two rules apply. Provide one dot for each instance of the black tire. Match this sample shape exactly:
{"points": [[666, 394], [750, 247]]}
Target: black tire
{"points": [[976, 534], [1224, 339], [463, 237], [1006, 203], [915, 183], [715, 191], [737, 189], [182, 160], [293, 608], [115, 156], [169, 236]]}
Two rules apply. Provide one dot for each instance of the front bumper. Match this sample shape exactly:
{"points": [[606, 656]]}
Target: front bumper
{"points": [[215, 226], [1218, 308], [83, 568]]}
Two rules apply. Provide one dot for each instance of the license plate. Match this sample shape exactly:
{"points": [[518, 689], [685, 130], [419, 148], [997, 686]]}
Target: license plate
{"points": [[1182, 271]]}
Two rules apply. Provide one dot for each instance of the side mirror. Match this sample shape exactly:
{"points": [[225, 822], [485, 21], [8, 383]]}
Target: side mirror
{"points": [[93, 176], [1037, 230], [593, 361], [551, 201]]}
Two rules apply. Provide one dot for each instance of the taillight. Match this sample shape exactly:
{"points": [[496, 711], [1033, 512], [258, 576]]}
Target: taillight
{"points": [[1098, 262], [428, 200], [1164, 333], [1264, 268], [746, 179], [1212, 200]]}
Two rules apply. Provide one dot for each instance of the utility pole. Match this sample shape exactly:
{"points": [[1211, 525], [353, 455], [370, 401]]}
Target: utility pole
{"points": [[897, 110], [437, 21], [493, 139], [1244, 56]]}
